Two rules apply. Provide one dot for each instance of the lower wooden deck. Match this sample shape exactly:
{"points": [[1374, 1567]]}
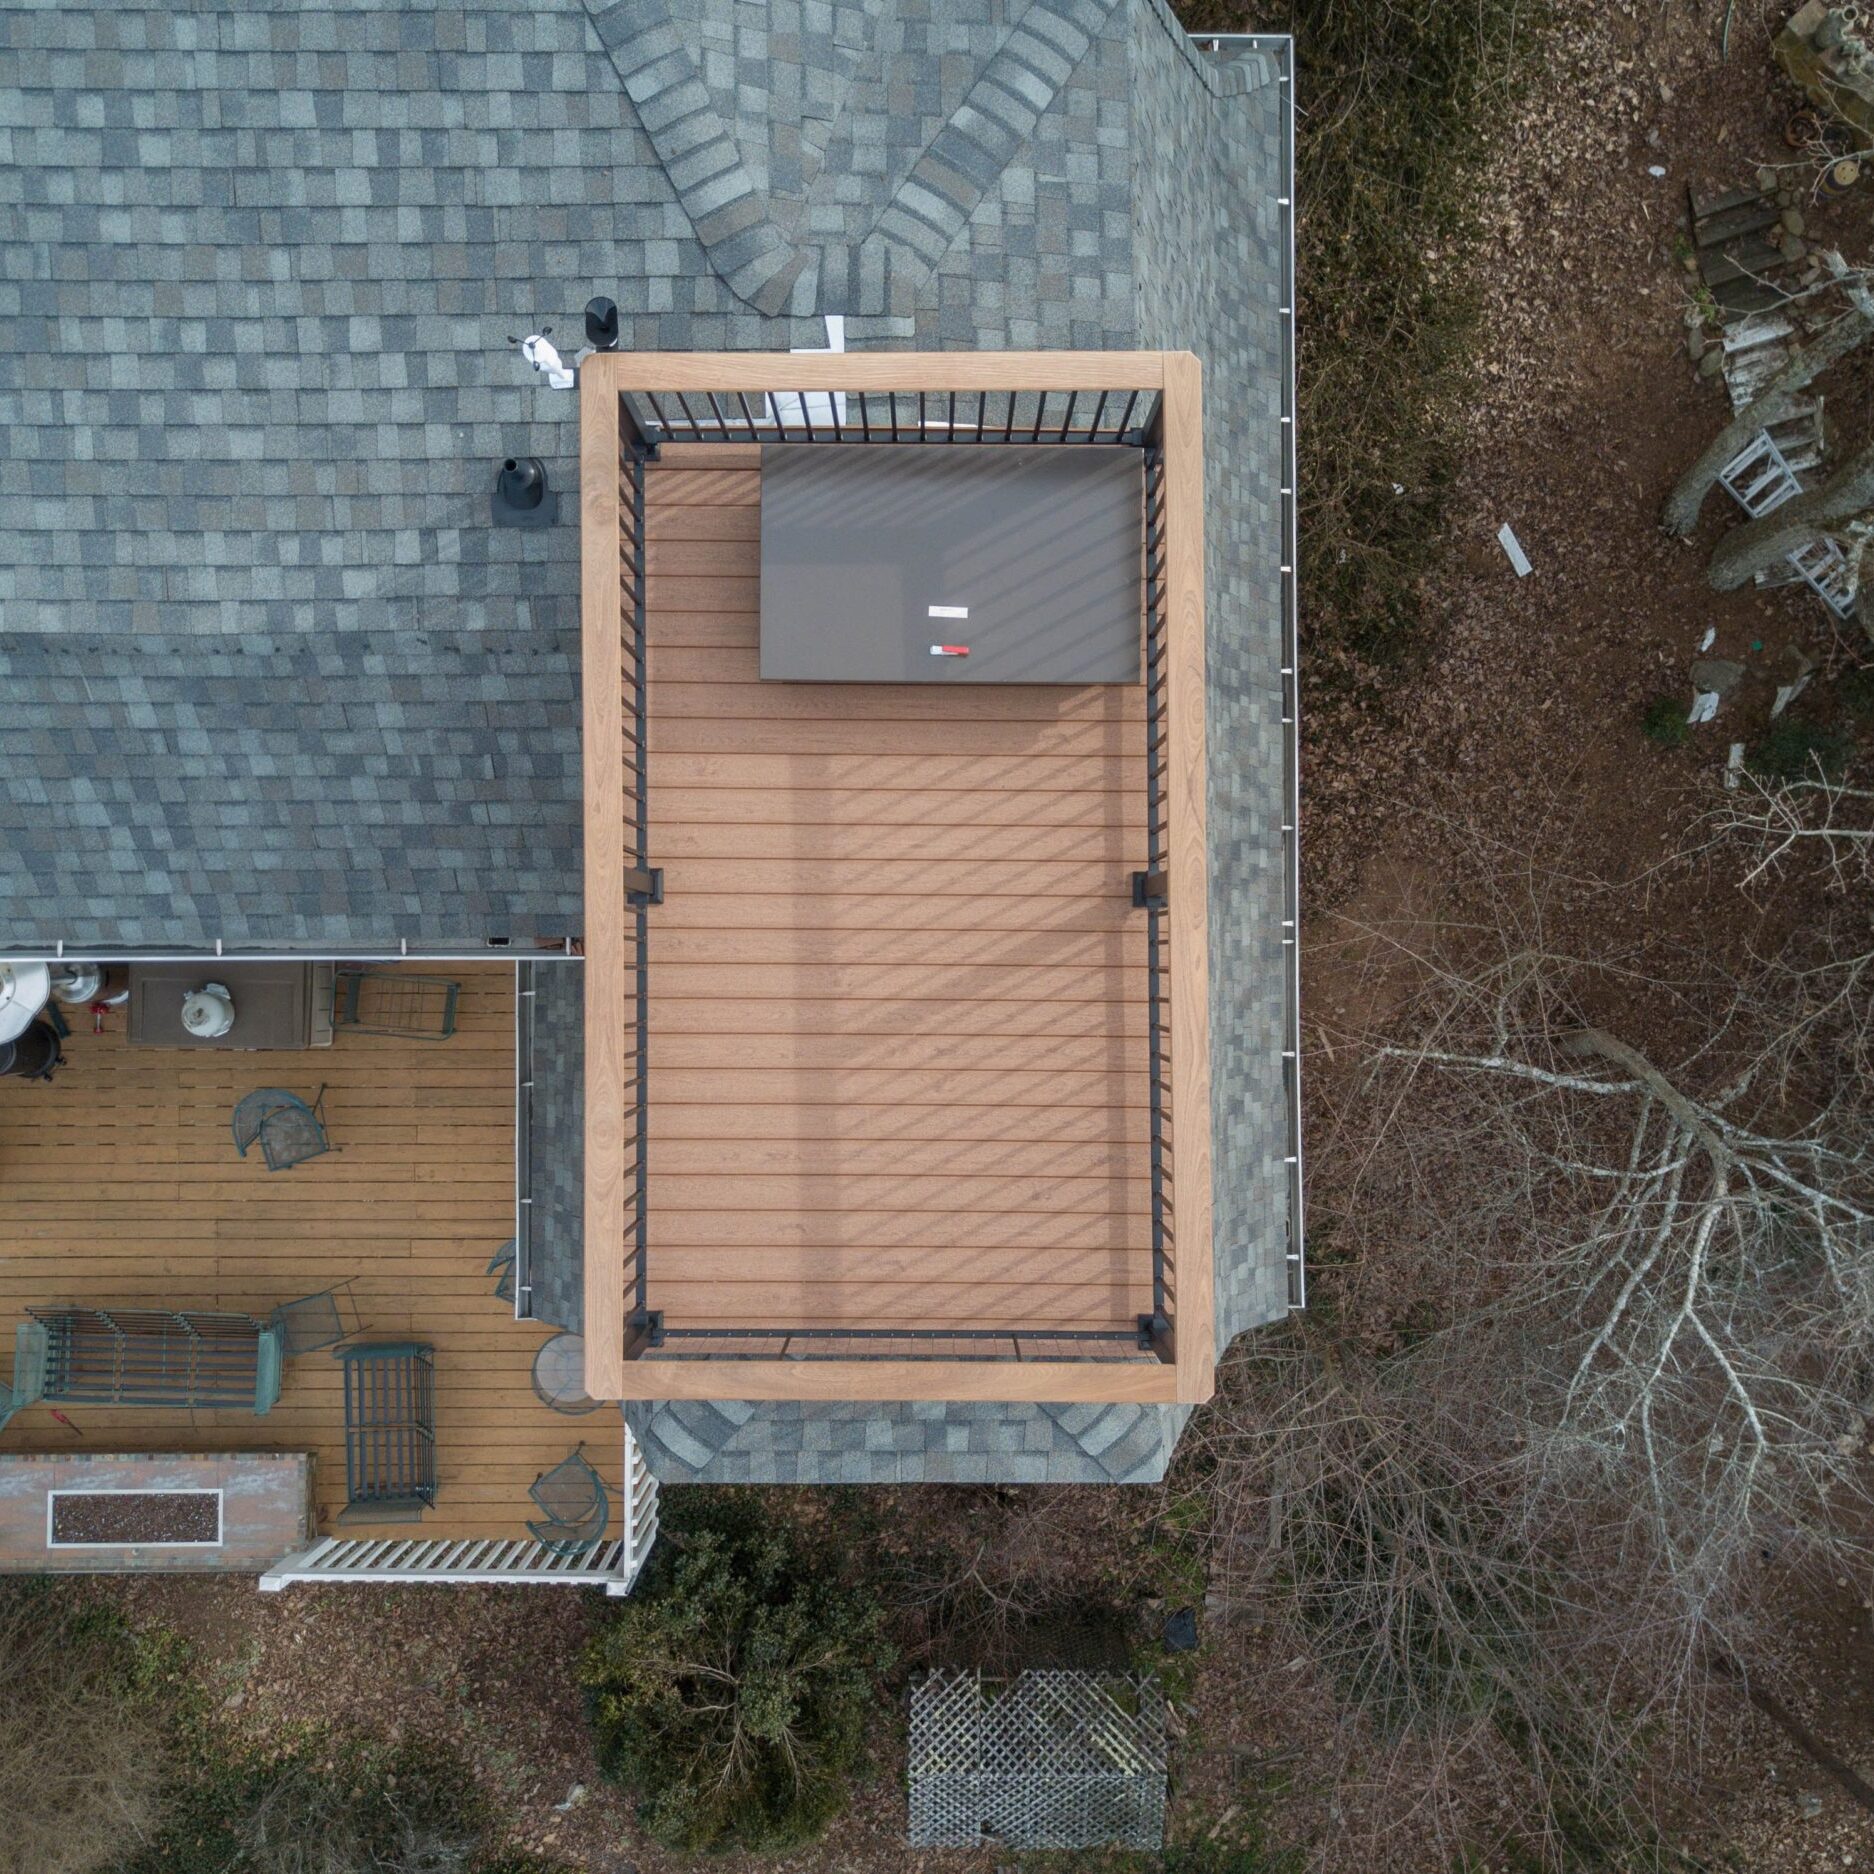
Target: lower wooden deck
{"points": [[121, 1186], [898, 1016]]}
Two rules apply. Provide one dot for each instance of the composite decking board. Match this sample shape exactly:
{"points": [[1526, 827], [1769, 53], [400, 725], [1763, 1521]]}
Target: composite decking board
{"points": [[840, 1123], [123, 1187], [1079, 880], [979, 809], [1016, 778], [910, 1053], [917, 843], [911, 734], [1045, 952], [862, 1091], [718, 698], [957, 914], [897, 988]]}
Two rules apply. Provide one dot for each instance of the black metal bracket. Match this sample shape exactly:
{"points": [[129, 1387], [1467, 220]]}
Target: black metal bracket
{"points": [[1148, 891], [1155, 1335], [644, 885], [644, 1327]]}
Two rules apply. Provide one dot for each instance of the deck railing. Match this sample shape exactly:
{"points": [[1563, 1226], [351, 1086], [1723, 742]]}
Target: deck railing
{"points": [[643, 883], [631, 406], [613, 1563], [1149, 891], [891, 416]]}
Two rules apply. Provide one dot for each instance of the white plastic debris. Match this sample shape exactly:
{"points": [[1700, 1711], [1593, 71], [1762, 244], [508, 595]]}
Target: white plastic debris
{"points": [[1655, 169], [545, 358], [1506, 539], [1787, 693], [1734, 766], [1709, 639], [1704, 706]]}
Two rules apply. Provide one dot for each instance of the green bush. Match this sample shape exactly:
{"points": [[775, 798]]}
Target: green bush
{"points": [[1664, 722], [730, 1695], [1794, 749], [83, 1753], [325, 1806]]}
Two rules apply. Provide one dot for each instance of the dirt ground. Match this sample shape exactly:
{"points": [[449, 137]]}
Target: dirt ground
{"points": [[1528, 714], [1528, 721]]}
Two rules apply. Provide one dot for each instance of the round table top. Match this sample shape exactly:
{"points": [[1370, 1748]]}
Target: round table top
{"points": [[560, 1374], [25, 988]]}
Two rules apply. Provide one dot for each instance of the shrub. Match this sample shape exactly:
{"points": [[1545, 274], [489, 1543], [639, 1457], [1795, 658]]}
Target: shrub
{"points": [[1794, 749], [1856, 691], [1664, 722], [731, 1694], [326, 1806], [82, 1756]]}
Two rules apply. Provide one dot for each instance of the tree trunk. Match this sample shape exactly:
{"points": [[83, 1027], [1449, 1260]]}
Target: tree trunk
{"points": [[1864, 586], [1748, 550], [1770, 405]]}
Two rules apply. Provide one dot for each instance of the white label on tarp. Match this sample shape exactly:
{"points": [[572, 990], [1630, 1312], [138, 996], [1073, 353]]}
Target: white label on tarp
{"points": [[949, 611]]}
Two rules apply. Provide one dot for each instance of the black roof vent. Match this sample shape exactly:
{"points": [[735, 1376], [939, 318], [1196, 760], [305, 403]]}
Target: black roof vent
{"points": [[602, 324], [522, 497]]}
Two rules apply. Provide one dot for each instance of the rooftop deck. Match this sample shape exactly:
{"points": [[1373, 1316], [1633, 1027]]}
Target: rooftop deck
{"points": [[897, 985], [122, 1188], [880, 1091]]}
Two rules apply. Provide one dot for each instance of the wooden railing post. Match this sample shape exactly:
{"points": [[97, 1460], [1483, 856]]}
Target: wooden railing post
{"points": [[608, 976]]}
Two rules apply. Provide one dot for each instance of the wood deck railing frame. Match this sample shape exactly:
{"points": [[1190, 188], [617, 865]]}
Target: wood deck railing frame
{"points": [[1186, 1372]]}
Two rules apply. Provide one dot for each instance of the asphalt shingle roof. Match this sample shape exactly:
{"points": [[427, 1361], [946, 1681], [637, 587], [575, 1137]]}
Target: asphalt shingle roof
{"points": [[268, 675]]}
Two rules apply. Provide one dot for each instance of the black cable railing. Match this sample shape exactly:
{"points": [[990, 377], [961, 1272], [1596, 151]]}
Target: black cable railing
{"points": [[1109, 417], [1150, 889], [643, 885], [896, 1343], [989, 416]]}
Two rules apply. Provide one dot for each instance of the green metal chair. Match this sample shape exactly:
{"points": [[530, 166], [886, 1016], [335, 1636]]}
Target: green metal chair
{"points": [[501, 1267], [320, 1320], [577, 1509], [390, 1430], [393, 1002], [287, 1129], [29, 1370], [157, 1357]]}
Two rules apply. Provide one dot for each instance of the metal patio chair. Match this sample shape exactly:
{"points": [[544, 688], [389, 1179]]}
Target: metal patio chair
{"points": [[320, 1320], [393, 1002], [560, 1375], [288, 1130], [390, 1431], [158, 1357], [501, 1267], [28, 1385], [577, 1509]]}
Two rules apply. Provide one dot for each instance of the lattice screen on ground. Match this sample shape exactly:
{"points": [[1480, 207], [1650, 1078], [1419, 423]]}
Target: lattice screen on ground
{"points": [[1048, 1760]]}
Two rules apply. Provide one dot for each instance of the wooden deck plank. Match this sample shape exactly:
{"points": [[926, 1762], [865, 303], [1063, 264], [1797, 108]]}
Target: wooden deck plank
{"points": [[918, 843], [123, 1187], [897, 987]]}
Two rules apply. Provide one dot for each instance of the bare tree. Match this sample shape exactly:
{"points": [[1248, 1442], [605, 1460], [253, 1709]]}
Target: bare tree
{"points": [[1777, 826], [1818, 831], [1639, 1219]]}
